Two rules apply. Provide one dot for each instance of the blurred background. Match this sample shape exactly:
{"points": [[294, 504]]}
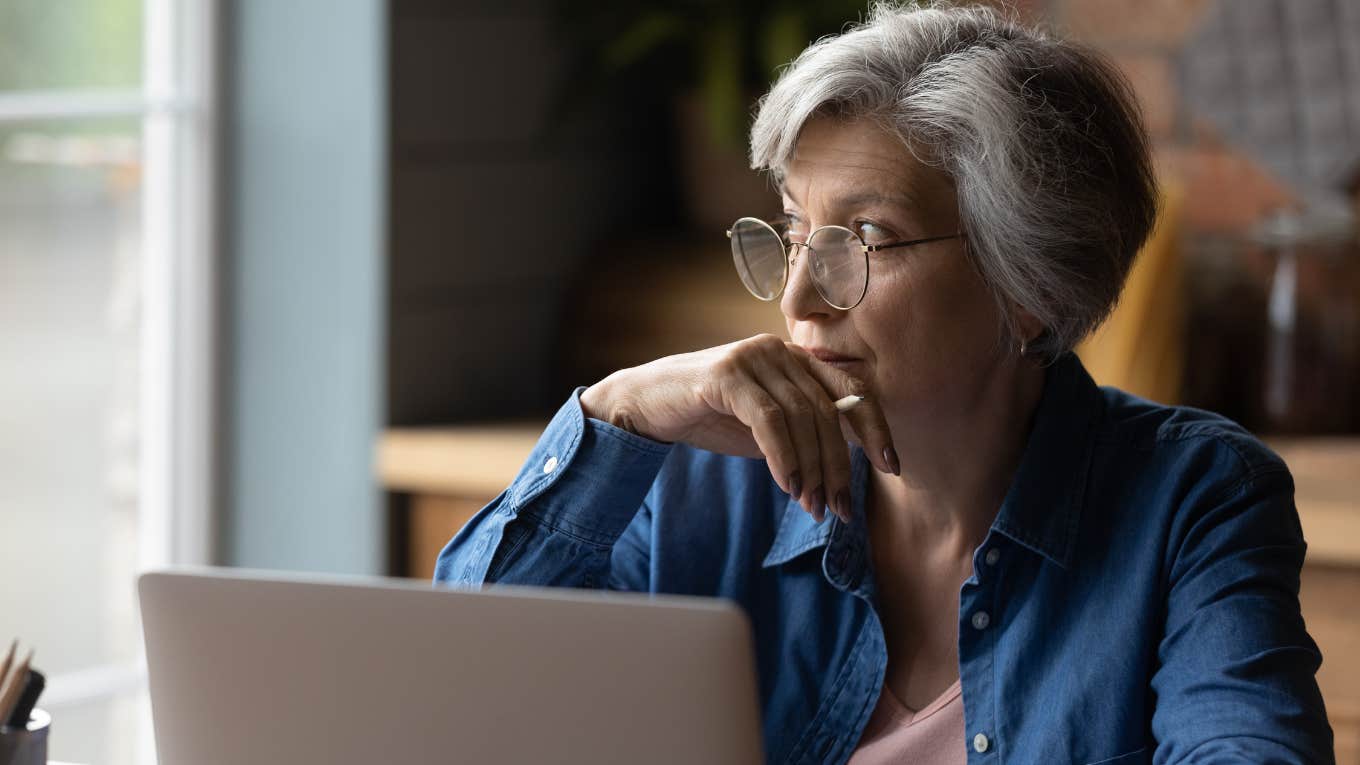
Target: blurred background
{"points": [[292, 284]]}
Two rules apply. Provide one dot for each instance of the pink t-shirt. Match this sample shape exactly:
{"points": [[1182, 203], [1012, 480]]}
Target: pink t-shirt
{"points": [[932, 736]]}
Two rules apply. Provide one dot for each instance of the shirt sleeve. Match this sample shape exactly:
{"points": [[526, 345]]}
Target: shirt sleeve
{"points": [[558, 522], [1236, 681]]}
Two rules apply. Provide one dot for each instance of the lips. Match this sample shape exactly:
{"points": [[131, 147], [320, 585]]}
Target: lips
{"points": [[831, 357]]}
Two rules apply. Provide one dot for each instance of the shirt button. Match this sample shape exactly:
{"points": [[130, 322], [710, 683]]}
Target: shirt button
{"points": [[980, 743], [550, 465], [993, 555], [981, 620]]}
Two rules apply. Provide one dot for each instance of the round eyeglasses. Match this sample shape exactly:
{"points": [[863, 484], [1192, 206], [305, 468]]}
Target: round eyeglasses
{"points": [[838, 260]]}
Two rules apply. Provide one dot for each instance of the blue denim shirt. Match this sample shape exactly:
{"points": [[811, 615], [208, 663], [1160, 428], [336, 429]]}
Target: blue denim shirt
{"points": [[1135, 600]]}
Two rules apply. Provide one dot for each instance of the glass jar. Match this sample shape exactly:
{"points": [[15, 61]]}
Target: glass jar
{"points": [[1311, 369]]}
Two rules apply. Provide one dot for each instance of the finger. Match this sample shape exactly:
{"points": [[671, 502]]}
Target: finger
{"points": [[754, 407], [866, 420], [834, 454], [801, 416]]}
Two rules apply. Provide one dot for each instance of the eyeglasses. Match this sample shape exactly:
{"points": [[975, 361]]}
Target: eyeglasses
{"points": [[838, 260]]}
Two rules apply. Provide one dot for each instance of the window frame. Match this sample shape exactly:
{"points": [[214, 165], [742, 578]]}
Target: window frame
{"points": [[178, 339]]}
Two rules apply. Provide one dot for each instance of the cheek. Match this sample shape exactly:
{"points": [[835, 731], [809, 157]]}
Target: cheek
{"points": [[937, 311]]}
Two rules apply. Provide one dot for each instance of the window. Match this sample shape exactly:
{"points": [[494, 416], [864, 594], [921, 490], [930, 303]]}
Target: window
{"points": [[106, 115]]}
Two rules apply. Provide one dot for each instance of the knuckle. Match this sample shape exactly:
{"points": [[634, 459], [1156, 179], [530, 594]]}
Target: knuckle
{"points": [[728, 364], [763, 343], [769, 413], [826, 409], [742, 347], [700, 391]]}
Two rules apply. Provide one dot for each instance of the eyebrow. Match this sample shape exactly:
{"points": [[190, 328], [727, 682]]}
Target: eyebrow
{"points": [[908, 200]]}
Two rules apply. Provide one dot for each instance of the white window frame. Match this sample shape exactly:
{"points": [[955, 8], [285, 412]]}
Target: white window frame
{"points": [[179, 276], [177, 105]]}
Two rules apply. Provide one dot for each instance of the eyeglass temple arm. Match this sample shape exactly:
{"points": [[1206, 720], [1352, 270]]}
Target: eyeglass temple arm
{"points": [[877, 247]]}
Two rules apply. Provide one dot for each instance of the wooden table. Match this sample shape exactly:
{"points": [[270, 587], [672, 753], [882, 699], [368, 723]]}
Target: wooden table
{"points": [[440, 477]]}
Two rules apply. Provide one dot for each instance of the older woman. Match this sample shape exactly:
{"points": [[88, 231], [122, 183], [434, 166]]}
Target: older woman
{"points": [[1017, 566]]}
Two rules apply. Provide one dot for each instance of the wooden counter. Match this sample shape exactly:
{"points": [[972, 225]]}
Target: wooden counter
{"points": [[442, 476]]}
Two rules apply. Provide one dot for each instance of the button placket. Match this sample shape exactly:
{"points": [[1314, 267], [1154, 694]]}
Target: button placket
{"points": [[977, 646]]}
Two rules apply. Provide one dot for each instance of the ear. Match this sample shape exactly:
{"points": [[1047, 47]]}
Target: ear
{"points": [[1028, 326]]}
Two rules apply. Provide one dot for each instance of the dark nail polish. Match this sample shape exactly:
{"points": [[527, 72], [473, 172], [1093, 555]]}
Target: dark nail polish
{"points": [[890, 457], [819, 504], [843, 504], [796, 484]]}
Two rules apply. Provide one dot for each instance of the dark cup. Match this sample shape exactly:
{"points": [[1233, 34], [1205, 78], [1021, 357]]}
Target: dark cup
{"points": [[26, 745]]}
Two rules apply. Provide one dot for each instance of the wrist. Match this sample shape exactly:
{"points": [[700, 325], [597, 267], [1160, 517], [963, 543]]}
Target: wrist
{"points": [[597, 403], [605, 401]]}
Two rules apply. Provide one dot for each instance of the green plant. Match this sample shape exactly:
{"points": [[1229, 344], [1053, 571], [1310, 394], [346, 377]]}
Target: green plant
{"points": [[724, 50]]}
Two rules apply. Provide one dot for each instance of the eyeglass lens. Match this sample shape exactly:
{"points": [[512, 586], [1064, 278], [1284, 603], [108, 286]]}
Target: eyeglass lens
{"points": [[758, 253], [835, 259], [839, 269]]}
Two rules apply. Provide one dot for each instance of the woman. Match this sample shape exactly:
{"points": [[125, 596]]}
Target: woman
{"points": [[1017, 566]]}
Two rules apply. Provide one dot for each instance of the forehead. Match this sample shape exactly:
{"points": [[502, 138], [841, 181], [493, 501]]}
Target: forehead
{"points": [[858, 157]]}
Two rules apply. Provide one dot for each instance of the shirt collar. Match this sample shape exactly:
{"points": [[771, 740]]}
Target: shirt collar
{"points": [[797, 534], [1043, 505]]}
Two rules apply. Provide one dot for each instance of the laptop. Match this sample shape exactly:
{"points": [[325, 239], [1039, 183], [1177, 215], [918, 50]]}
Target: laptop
{"points": [[269, 667]]}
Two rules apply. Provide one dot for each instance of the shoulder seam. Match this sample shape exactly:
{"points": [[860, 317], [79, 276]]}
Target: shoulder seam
{"points": [[1231, 440], [1252, 476]]}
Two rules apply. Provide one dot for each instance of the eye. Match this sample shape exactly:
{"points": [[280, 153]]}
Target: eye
{"points": [[795, 230], [873, 233]]}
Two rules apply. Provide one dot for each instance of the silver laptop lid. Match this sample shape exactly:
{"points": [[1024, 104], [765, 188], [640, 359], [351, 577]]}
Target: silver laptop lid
{"points": [[268, 667]]}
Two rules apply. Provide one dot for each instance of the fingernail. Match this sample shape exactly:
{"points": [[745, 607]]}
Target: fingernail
{"points": [[843, 504], [890, 457], [819, 504], [796, 484]]}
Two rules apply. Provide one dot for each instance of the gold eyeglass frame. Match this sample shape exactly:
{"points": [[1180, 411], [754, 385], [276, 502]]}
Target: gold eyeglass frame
{"points": [[791, 257]]}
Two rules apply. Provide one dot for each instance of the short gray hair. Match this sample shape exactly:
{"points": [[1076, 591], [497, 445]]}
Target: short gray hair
{"points": [[1042, 137]]}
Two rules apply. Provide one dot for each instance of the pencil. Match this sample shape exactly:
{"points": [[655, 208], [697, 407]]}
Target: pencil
{"points": [[4, 667], [849, 402], [14, 687]]}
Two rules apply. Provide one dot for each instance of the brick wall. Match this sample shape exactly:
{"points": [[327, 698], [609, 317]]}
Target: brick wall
{"points": [[1226, 191]]}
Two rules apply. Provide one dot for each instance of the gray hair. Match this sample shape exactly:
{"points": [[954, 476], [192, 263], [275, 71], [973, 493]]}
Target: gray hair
{"points": [[1042, 137]]}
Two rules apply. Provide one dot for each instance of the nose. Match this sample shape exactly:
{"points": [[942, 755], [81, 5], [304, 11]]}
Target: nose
{"points": [[801, 301]]}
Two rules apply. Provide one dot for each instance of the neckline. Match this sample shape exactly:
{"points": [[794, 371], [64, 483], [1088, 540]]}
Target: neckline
{"points": [[912, 716]]}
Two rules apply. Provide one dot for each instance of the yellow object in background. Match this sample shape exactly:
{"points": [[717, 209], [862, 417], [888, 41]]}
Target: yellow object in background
{"points": [[1141, 347]]}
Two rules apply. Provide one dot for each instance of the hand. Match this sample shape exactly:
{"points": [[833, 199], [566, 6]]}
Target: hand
{"points": [[759, 397]]}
